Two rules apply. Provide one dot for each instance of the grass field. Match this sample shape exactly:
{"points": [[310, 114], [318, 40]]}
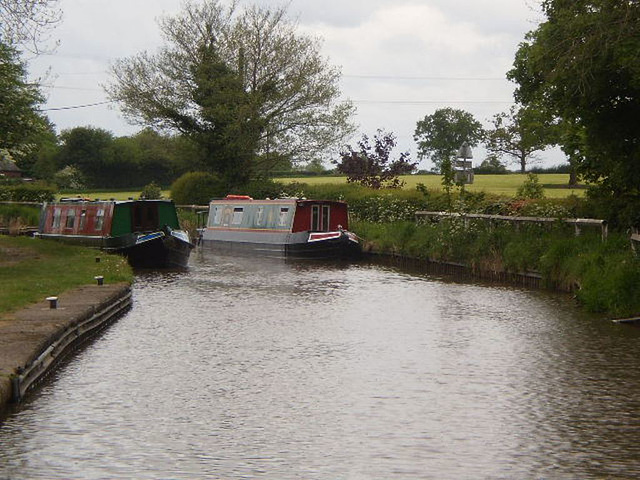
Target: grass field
{"points": [[506, 185], [33, 269], [555, 183]]}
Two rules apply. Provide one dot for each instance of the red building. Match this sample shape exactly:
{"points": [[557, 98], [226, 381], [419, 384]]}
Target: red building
{"points": [[8, 169]]}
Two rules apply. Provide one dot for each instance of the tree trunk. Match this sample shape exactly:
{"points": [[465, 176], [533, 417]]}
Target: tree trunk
{"points": [[573, 173]]}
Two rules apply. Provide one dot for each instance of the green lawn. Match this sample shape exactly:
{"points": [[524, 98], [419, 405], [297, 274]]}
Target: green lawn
{"points": [[32, 269], [506, 185]]}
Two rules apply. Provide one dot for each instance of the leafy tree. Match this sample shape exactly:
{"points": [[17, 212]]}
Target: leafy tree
{"points": [[371, 165], [531, 187], [88, 149], [151, 191], [26, 23], [243, 84], [20, 122], [518, 134], [581, 65], [491, 165], [197, 188], [161, 158], [42, 150], [440, 135], [69, 178]]}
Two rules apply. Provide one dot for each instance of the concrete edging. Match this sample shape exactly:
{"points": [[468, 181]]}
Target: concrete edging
{"points": [[459, 270], [34, 340]]}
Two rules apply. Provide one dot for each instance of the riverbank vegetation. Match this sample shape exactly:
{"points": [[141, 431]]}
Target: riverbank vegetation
{"points": [[604, 275], [32, 269]]}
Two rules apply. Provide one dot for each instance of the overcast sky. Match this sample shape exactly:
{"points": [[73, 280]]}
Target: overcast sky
{"points": [[400, 59]]}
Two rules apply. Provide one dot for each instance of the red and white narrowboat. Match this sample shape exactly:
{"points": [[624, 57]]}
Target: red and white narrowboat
{"points": [[292, 227]]}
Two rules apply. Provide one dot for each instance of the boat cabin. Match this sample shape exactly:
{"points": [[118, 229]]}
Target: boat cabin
{"points": [[239, 212], [106, 218]]}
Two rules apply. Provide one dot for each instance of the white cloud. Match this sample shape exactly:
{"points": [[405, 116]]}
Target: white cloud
{"points": [[424, 54]]}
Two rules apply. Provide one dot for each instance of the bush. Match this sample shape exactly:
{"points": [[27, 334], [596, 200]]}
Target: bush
{"points": [[531, 188], [151, 192], [263, 188], [25, 215], [197, 188], [69, 178], [27, 192]]}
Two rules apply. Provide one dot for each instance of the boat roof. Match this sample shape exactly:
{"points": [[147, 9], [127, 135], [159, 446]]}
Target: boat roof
{"points": [[290, 200], [72, 200]]}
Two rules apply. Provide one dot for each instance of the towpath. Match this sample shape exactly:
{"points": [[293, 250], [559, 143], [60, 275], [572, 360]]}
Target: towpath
{"points": [[26, 333]]}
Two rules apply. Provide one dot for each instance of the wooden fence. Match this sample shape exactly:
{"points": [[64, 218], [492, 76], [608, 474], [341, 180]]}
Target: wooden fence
{"points": [[578, 223]]}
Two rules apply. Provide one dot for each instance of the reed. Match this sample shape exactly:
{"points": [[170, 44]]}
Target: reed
{"points": [[603, 276]]}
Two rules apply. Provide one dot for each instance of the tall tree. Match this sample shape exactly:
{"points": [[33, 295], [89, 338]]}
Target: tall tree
{"points": [[518, 134], [243, 83], [26, 23], [20, 122], [582, 65], [89, 150], [371, 165], [440, 135]]}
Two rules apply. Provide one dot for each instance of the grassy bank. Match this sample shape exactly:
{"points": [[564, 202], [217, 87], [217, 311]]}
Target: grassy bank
{"points": [[32, 269], [605, 276]]}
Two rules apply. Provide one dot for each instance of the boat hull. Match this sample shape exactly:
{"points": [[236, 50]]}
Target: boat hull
{"points": [[154, 250], [298, 245], [161, 251]]}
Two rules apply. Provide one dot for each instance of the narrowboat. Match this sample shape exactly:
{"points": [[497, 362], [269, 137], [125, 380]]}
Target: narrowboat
{"points": [[147, 232], [295, 228]]}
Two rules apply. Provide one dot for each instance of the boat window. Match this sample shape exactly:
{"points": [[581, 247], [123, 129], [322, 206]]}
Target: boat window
{"points": [[315, 218], [284, 214], [71, 218], [217, 215], [145, 216], [83, 220], [57, 214], [99, 219], [325, 218], [260, 216], [237, 216]]}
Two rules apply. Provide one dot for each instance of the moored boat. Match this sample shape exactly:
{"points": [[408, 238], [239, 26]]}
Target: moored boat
{"points": [[147, 232], [298, 228]]}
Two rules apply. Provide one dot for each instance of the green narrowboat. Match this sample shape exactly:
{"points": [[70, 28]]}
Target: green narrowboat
{"points": [[147, 232]]}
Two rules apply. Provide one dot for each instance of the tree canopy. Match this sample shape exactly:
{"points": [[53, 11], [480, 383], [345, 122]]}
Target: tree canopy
{"points": [[26, 23], [371, 165], [242, 83], [20, 122], [518, 134], [440, 135], [582, 66]]}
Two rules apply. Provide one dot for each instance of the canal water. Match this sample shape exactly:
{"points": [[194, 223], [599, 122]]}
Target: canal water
{"points": [[242, 369]]}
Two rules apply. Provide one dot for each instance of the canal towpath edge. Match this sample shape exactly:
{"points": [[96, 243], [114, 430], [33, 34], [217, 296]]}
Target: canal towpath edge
{"points": [[28, 332]]}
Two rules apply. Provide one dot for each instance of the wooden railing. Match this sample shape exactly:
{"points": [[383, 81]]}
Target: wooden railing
{"points": [[578, 223]]}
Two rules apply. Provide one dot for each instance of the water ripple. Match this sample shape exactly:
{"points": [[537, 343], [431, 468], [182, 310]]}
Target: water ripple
{"points": [[270, 369]]}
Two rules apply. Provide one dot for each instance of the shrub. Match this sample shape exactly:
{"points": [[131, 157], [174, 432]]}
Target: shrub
{"points": [[261, 188], [69, 178], [27, 192], [531, 188], [151, 191], [197, 188], [26, 215]]}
